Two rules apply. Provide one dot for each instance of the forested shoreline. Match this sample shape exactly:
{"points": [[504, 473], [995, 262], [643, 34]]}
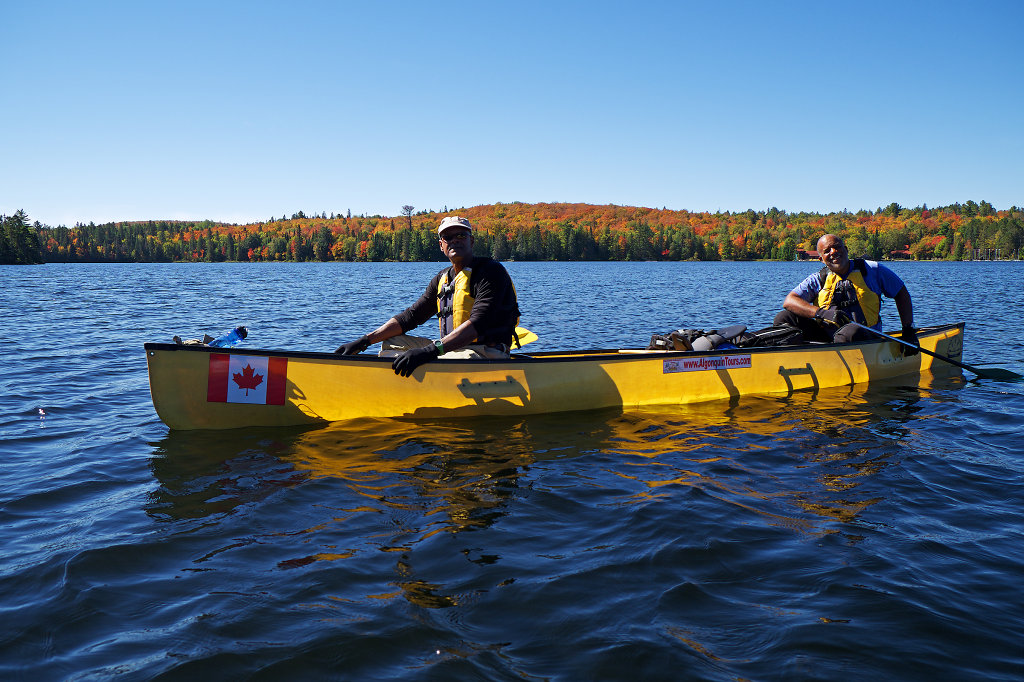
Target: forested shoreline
{"points": [[518, 231]]}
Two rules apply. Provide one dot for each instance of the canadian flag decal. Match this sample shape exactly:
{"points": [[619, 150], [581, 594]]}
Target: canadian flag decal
{"points": [[246, 379]]}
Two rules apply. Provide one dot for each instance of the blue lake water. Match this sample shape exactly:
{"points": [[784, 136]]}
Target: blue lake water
{"points": [[855, 533]]}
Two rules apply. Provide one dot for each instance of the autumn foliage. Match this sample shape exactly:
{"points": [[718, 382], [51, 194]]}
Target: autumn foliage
{"points": [[554, 232]]}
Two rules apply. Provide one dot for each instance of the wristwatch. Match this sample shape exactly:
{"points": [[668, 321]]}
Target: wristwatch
{"points": [[440, 347]]}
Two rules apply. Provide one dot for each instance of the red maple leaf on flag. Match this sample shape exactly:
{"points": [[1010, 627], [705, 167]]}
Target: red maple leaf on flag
{"points": [[247, 379]]}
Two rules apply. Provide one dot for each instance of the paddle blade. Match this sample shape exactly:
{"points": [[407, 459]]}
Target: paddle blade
{"points": [[997, 374], [525, 336]]}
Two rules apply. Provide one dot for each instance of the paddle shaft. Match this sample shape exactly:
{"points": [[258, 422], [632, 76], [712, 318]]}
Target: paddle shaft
{"points": [[979, 372]]}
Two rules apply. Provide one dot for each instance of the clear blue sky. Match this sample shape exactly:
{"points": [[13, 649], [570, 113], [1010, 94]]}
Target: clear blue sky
{"points": [[240, 111]]}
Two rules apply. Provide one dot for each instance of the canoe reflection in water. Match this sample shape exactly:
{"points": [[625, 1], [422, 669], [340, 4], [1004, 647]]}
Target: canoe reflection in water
{"points": [[372, 489]]}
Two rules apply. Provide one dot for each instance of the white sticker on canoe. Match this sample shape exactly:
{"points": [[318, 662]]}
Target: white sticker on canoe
{"points": [[706, 363]]}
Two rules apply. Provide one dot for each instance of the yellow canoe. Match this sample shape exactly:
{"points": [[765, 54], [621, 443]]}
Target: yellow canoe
{"points": [[198, 387]]}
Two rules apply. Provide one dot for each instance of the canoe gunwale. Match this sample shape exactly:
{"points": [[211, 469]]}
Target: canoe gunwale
{"points": [[549, 356]]}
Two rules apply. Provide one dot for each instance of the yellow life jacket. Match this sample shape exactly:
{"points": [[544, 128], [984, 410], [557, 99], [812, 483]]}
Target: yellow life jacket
{"points": [[454, 302], [851, 295]]}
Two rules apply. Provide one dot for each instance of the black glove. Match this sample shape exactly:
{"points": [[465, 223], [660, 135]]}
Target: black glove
{"points": [[353, 347], [910, 336], [406, 363], [832, 315]]}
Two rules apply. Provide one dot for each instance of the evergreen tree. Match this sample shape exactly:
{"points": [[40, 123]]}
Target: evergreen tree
{"points": [[6, 246], [19, 243], [323, 243]]}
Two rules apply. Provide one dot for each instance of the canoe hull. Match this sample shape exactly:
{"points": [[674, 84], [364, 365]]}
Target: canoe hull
{"points": [[196, 387]]}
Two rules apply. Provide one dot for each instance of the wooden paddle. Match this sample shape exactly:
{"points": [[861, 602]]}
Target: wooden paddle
{"points": [[992, 373]]}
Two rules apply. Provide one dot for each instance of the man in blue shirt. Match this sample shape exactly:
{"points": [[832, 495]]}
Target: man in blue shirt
{"points": [[824, 304]]}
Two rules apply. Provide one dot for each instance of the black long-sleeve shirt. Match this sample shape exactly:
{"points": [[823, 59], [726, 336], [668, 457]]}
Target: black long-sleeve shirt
{"points": [[495, 308]]}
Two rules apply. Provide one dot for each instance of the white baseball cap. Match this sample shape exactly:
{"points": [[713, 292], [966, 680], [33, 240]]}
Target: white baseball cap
{"points": [[453, 221]]}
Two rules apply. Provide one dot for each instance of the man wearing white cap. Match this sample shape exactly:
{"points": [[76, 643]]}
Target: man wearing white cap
{"points": [[474, 301]]}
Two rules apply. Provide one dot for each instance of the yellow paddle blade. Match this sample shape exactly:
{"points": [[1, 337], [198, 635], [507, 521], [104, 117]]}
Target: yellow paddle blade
{"points": [[525, 336]]}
